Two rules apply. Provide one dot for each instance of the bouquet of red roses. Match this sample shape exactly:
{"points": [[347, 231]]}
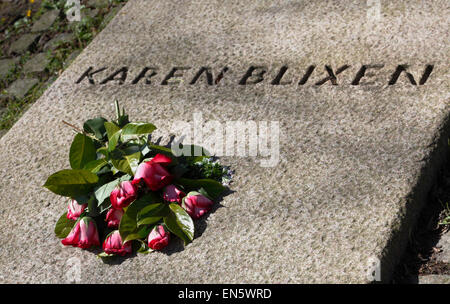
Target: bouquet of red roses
{"points": [[128, 193]]}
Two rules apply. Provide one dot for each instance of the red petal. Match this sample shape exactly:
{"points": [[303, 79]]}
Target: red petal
{"points": [[161, 159]]}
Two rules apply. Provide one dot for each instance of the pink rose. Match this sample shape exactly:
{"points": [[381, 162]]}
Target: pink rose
{"points": [[113, 217], [158, 238], [123, 195], [83, 235], [113, 244], [173, 194], [153, 173], [74, 210], [196, 205]]}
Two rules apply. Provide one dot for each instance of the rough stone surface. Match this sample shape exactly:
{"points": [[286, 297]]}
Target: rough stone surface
{"points": [[6, 65], [37, 63], [2, 132], [22, 44], [434, 279], [90, 12], [72, 57], [20, 87], [355, 165], [98, 3], [444, 244], [45, 21], [61, 38]]}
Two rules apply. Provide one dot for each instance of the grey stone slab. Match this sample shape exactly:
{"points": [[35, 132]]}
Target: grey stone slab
{"points": [[98, 3], [37, 63], [3, 132], [112, 12], [356, 161], [434, 279], [45, 21], [72, 57], [90, 12], [22, 44], [6, 65], [20, 87], [444, 244], [58, 39]]}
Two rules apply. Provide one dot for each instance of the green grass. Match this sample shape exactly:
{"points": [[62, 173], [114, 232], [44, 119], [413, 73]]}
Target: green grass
{"points": [[446, 215], [17, 107], [84, 32]]}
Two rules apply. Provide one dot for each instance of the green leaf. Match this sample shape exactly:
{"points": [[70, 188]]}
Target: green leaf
{"points": [[113, 132], [82, 199], [141, 233], [138, 128], [93, 209], [64, 226], [111, 129], [161, 149], [128, 164], [128, 223], [71, 183], [104, 151], [144, 248], [104, 191], [102, 207], [95, 126], [180, 223], [105, 255], [152, 214], [114, 140], [95, 165], [82, 151], [212, 187]]}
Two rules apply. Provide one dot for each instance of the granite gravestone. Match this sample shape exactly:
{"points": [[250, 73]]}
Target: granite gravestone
{"points": [[356, 91]]}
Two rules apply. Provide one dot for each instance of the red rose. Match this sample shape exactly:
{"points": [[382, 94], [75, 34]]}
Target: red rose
{"points": [[153, 173], [158, 238], [113, 244], [123, 195], [173, 194], [74, 210], [83, 235], [113, 217], [196, 205]]}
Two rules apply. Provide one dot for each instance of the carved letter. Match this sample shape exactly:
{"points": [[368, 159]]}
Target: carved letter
{"points": [[402, 68], [249, 73], [207, 71], [362, 72], [277, 79], [332, 76], [89, 75], [123, 76], [173, 74], [307, 74], [143, 73]]}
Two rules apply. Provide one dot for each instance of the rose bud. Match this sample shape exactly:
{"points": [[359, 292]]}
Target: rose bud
{"points": [[153, 173], [113, 217], [158, 238], [123, 195], [74, 210], [173, 194], [196, 205], [83, 235], [113, 244]]}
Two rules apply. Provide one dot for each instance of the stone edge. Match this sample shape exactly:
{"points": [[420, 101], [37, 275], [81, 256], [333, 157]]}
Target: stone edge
{"points": [[415, 202]]}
